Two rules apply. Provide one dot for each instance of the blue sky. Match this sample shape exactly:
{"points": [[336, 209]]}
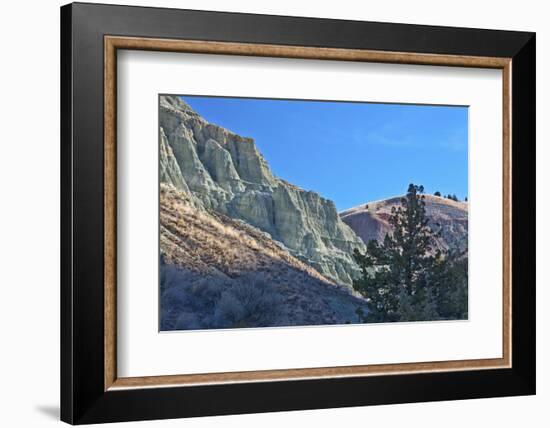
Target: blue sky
{"points": [[351, 153]]}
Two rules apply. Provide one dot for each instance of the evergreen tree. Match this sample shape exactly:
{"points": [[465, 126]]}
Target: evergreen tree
{"points": [[450, 275], [438, 193], [396, 274], [404, 278]]}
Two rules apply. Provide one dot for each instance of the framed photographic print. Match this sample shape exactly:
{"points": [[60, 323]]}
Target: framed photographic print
{"points": [[265, 213]]}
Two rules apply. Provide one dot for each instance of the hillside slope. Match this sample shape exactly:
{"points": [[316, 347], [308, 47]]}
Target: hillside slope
{"points": [[225, 172], [370, 220], [218, 272]]}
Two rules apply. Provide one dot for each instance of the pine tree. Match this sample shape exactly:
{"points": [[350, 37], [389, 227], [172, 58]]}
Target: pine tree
{"points": [[429, 308], [450, 276], [396, 274]]}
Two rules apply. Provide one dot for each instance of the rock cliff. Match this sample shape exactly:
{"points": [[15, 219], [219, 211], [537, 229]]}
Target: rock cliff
{"points": [[226, 173], [370, 220]]}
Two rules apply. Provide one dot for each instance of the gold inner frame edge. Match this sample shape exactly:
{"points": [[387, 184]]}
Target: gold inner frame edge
{"points": [[113, 43]]}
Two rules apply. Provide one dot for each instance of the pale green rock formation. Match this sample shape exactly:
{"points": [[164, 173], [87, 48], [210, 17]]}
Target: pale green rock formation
{"points": [[226, 172], [169, 168]]}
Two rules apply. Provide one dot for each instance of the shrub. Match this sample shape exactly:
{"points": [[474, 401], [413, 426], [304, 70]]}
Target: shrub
{"points": [[183, 292], [187, 321], [249, 303], [169, 276], [195, 301]]}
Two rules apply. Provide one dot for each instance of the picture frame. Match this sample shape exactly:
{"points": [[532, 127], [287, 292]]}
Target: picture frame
{"points": [[91, 36]]}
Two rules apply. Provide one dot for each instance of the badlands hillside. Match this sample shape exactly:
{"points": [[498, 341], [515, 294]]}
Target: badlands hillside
{"points": [[449, 217]]}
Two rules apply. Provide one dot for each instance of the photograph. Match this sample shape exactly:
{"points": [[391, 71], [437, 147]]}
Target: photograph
{"points": [[279, 212]]}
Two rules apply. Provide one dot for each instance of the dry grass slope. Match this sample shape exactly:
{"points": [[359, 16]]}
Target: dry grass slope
{"points": [[210, 242]]}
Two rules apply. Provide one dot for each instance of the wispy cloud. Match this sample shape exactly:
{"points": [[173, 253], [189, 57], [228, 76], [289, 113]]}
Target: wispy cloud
{"points": [[404, 134], [401, 131]]}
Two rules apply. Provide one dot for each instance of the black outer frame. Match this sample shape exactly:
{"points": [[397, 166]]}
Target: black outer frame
{"points": [[83, 399]]}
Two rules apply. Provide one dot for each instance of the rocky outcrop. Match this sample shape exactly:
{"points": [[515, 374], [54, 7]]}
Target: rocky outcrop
{"points": [[226, 173], [450, 218]]}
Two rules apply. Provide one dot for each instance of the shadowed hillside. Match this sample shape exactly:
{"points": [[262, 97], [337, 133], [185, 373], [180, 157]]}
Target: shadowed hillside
{"points": [[218, 272]]}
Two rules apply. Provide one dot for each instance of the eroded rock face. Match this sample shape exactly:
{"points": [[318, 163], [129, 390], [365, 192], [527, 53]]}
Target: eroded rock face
{"points": [[450, 218], [169, 168], [226, 173]]}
